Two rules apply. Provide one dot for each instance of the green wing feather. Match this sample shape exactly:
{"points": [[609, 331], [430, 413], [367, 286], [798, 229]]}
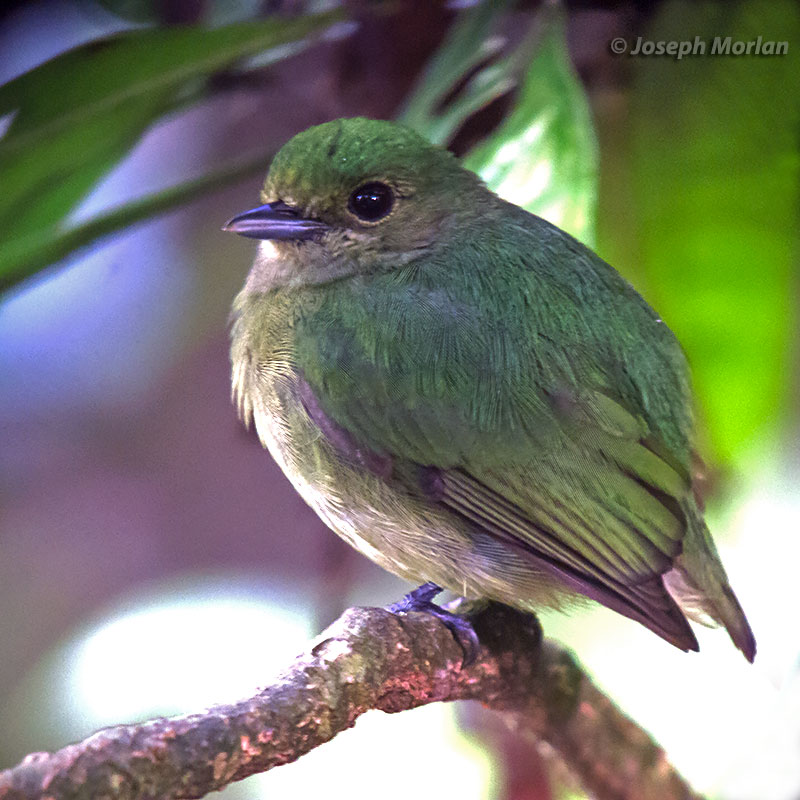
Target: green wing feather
{"points": [[558, 426]]}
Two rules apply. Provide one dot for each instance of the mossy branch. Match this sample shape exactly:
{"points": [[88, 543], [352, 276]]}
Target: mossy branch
{"points": [[369, 658]]}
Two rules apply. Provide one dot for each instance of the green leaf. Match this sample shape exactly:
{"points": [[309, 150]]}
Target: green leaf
{"points": [[468, 44], [544, 155], [28, 255], [76, 115], [718, 172], [43, 179]]}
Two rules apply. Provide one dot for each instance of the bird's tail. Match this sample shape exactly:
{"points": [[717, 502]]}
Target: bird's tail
{"points": [[700, 585]]}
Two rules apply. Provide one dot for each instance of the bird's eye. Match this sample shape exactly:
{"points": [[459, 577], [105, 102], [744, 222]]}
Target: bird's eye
{"points": [[372, 201]]}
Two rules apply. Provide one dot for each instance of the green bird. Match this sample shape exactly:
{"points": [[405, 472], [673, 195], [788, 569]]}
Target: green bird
{"points": [[467, 394]]}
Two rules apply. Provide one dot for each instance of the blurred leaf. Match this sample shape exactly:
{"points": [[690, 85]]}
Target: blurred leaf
{"points": [[32, 253], [718, 168], [469, 43], [543, 156], [78, 114]]}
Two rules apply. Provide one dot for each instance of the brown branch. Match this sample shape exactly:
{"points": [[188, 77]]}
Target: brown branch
{"points": [[369, 658]]}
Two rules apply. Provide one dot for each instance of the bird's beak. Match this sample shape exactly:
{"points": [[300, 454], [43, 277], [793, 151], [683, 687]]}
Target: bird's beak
{"points": [[275, 221]]}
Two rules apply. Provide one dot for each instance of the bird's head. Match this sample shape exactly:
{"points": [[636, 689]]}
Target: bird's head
{"points": [[354, 196]]}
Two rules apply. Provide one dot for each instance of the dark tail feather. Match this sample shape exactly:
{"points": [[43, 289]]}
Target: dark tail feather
{"points": [[699, 584], [731, 615]]}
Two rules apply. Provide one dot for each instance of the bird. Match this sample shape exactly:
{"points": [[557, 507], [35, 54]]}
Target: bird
{"points": [[467, 394]]}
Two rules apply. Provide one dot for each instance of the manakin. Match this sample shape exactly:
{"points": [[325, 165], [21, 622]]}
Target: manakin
{"points": [[467, 394]]}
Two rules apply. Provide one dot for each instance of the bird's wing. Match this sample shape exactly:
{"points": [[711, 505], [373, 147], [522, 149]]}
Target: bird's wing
{"points": [[570, 478], [602, 511]]}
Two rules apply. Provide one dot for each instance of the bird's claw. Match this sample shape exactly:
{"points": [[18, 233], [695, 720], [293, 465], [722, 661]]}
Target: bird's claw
{"points": [[421, 599]]}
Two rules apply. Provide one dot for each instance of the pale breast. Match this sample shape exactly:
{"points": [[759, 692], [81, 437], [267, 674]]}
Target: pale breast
{"points": [[367, 513], [351, 501]]}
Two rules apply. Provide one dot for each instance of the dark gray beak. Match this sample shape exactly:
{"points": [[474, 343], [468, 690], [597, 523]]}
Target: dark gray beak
{"points": [[275, 221]]}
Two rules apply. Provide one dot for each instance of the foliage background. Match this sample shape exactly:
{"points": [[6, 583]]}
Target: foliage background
{"points": [[153, 559]]}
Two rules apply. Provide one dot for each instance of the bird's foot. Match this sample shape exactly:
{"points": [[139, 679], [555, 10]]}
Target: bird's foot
{"points": [[421, 599]]}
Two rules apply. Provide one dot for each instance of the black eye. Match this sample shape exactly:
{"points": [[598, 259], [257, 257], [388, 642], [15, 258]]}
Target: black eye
{"points": [[372, 201]]}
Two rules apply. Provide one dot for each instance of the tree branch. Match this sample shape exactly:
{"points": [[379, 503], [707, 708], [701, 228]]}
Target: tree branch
{"points": [[369, 658]]}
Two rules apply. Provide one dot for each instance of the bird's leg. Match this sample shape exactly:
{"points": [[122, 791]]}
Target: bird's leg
{"points": [[421, 599], [418, 599]]}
